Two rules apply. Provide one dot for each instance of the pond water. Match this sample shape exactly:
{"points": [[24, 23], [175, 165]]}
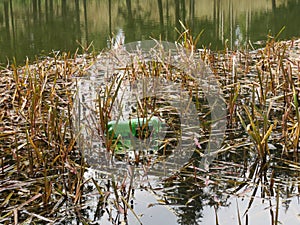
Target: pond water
{"points": [[33, 28], [238, 188]]}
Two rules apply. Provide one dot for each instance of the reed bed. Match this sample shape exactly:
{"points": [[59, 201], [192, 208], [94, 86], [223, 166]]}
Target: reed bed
{"points": [[261, 88], [262, 91], [42, 168]]}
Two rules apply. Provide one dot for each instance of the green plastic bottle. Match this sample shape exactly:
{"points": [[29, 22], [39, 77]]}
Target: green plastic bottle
{"points": [[133, 132]]}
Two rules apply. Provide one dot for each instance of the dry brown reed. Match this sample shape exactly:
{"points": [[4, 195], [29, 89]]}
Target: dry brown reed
{"points": [[41, 168]]}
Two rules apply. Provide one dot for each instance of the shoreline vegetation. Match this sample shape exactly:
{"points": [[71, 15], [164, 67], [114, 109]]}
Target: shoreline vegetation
{"points": [[42, 169]]}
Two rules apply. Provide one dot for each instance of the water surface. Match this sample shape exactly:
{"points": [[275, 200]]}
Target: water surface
{"points": [[237, 185], [33, 28]]}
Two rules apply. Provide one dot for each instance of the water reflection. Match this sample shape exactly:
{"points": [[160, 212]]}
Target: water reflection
{"points": [[238, 187], [244, 188], [30, 27]]}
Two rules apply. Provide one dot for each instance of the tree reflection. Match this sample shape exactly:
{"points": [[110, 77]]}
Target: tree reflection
{"points": [[59, 23], [177, 13], [273, 4], [6, 18], [109, 18], [77, 12], [129, 11], [47, 26], [86, 21], [192, 13], [34, 9], [64, 8], [161, 16], [232, 175]]}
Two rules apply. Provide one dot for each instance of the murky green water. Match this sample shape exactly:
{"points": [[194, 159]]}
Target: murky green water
{"points": [[31, 28]]}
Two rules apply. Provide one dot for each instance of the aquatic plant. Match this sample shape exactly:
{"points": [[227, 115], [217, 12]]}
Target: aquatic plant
{"points": [[43, 171], [41, 167]]}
